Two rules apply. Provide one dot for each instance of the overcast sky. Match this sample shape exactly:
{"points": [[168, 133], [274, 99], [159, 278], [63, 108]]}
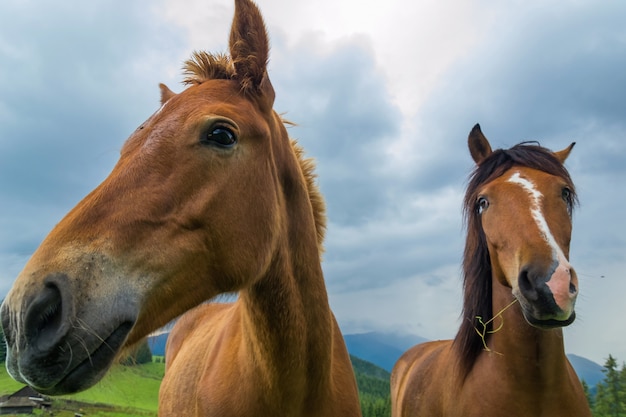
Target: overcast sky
{"points": [[384, 95]]}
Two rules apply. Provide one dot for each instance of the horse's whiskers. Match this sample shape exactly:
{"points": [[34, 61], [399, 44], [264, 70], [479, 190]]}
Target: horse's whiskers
{"points": [[81, 342], [69, 362], [84, 326]]}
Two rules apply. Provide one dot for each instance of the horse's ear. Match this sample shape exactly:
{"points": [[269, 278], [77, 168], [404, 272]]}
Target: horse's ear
{"points": [[478, 145], [562, 155], [249, 49], [166, 93]]}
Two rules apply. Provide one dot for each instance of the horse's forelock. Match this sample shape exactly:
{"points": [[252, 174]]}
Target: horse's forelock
{"points": [[203, 66]]}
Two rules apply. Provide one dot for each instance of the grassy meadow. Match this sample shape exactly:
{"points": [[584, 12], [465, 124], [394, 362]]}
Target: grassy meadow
{"points": [[126, 391], [132, 391]]}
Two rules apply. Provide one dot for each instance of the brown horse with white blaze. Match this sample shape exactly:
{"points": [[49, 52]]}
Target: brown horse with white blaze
{"points": [[508, 357], [209, 196]]}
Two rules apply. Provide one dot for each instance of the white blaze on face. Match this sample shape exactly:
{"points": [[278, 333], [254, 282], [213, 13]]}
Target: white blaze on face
{"points": [[559, 282], [535, 209]]}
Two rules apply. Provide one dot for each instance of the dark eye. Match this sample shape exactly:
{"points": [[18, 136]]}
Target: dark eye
{"points": [[566, 194], [221, 136], [482, 204]]}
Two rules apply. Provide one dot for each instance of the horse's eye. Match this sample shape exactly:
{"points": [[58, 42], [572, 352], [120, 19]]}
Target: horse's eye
{"points": [[221, 136], [482, 204], [566, 193]]}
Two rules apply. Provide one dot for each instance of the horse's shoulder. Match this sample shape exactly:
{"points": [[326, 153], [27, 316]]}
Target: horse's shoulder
{"points": [[416, 378], [423, 352], [419, 362]]}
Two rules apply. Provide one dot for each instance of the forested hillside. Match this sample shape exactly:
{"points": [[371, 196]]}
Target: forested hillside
{"points": [[373, 383]]}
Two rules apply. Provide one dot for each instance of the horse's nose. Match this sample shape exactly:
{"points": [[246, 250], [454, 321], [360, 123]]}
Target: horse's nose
{"points": [[550, 295], [532, 282]]}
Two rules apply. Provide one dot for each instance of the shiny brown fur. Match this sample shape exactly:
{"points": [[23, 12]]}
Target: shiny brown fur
{"points": [[514, 276], [185, 215]]}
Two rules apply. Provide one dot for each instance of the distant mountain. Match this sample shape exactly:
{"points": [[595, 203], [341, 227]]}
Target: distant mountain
{"points": [[382, 349], [587, 370]]}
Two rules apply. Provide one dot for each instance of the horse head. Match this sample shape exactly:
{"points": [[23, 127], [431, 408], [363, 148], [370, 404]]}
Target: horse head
{"points": [[522, 201], [194, 207]]}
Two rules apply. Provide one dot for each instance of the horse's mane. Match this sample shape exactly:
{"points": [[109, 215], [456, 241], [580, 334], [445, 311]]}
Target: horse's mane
{"points": [[307, 165], [477, 283]]}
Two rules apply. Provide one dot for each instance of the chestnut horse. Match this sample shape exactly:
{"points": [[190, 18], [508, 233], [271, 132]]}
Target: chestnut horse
{"points": [[209, 196], [507, 358]]}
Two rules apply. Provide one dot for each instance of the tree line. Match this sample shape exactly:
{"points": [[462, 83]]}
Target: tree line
{"points": [[608, 397]]}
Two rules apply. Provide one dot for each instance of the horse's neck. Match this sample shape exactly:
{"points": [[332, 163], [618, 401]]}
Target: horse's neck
{"points": [[520, 349], [287, 320]]}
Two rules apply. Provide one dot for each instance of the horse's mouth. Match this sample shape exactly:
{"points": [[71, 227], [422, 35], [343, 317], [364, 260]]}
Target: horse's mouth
{"points": [[549, 323], [88, 372]]}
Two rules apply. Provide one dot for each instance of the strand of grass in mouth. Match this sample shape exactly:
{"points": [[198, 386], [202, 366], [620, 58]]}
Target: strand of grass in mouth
{"points": [[484, 331]]}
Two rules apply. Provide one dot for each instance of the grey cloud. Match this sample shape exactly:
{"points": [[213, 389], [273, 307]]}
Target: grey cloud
{"points": [[546, 73], [64, 78], [553, 75], [345, 120], [533, 78], [75, 81]]}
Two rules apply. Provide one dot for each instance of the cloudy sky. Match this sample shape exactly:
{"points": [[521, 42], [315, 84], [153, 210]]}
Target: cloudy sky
{"points": [[384, 94]]}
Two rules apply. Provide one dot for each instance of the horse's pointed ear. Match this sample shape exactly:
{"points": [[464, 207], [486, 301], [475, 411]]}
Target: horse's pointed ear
{"points": [[249, 49], [478, 145], [166, 93], [562, 155]]}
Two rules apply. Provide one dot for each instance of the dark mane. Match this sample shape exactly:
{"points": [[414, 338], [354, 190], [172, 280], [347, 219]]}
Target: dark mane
{"points": [[477, 285]]}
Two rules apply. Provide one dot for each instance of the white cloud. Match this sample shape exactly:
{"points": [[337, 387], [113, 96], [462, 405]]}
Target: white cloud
{"points": [[411, 306]]}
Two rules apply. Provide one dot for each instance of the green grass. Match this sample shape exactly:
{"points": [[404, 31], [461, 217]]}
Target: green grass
{"points": [[132, 391], [7, 384], [126, 386], [126, 391]]}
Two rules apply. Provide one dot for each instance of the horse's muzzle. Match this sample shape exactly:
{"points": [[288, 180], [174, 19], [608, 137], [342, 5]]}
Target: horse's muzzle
{"points": [[548, 299], [54, 348]]}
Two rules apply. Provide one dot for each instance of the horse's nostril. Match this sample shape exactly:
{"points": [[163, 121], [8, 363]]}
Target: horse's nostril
{"points": [[525, 286], [523, 281], [44, 318], [572, 288]]}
